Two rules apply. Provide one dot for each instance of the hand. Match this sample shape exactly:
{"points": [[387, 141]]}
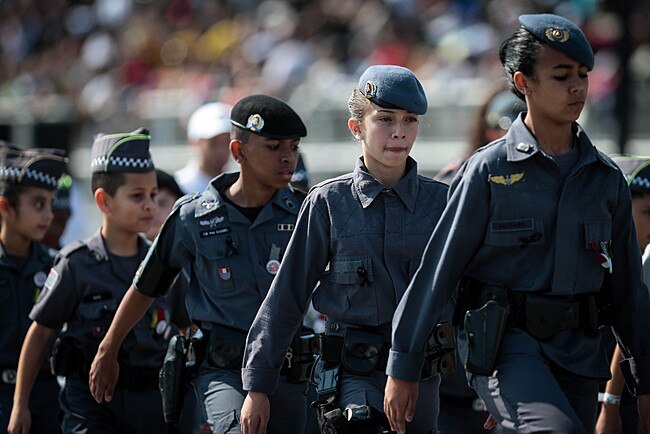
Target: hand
{"points": [[255, 413], [103, 377], [644, 413], [490, 423], [20, 421], [399, 403]]}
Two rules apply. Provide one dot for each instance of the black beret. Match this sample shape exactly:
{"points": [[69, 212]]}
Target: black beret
{"points": [[561, 34], [636, 171], [167, 182], [393, 87], [122, 152], [61, 199], [37, 167], [268, 117]]}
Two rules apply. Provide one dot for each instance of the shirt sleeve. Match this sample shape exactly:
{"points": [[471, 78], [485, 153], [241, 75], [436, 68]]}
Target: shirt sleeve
{"points": [[280, 315], [630, 296], [165, 259], [59, 297], [456, 238]]}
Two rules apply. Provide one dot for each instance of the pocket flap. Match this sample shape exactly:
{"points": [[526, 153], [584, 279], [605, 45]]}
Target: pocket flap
{"points": [[348, 270], [515, 232], [597, 231]]}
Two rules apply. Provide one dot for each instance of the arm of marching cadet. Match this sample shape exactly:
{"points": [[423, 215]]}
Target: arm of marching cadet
{"points": [[31, 357], [631, 301], [456, 238], [609, 419], [280, 315]]}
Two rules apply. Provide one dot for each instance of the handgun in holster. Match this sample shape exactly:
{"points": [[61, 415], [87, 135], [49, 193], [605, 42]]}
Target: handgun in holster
{"points": [[484, 328], [172, 379], [67, 358], [440, 353]]}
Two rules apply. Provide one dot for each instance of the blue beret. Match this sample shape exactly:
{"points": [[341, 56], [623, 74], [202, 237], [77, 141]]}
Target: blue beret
{"points": [[122, 152], [561, 34], [393, 87], [268, 117], [38, 167], [636, 171]]}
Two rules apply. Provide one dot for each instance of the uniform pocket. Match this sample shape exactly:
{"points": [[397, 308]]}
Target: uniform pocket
{"points": [[597, 231], [351, 270], [214, 260], [97, 306], [515, 232]]}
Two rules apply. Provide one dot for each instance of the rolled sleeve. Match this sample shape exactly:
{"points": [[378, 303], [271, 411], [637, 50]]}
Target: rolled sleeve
{"points": [[405, 366]]}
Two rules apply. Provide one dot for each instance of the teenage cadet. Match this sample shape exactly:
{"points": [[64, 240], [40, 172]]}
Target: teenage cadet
{"points": [[361, 236], [534, 223], [82, 292], [27, 182], [233, 236], [168, 193], [618, 412], [61, 213]]}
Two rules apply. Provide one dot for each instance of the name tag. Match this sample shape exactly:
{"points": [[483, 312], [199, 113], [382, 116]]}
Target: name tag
{"points": [[213, 232], [512, 225]]}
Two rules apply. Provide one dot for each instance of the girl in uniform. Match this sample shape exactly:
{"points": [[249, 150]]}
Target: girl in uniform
{"points": [[359, 237]]}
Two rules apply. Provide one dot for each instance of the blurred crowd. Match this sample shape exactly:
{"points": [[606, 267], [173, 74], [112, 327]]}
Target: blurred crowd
{"points": [[91, 60]]}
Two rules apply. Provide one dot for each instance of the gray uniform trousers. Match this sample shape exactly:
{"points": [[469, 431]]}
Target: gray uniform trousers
{"points": [[528, 393], [359, 390], [223, 394]]}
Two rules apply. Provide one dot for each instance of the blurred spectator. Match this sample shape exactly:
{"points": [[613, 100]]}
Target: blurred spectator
{"points": [[61, 211], [168, 193], [208, 130]]}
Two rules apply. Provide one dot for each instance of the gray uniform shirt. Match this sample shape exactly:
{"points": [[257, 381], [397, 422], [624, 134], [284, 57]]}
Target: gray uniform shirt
{"points": [[347, 224], [513, 220], [83, 291], [232, 260], [18, 291]]}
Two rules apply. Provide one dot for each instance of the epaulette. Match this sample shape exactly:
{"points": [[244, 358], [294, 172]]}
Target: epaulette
{"points": [[332, 180], [72, 247], [183, 200], [52, 252]]}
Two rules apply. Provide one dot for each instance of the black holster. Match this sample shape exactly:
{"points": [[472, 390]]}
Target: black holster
{"points": [[67, 358], [299, 360], [484, 328], [226, 347], [172, 379]]}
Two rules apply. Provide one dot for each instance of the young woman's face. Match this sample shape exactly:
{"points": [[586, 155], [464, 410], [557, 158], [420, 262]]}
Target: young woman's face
{"points": [[32, 215], [641, 215], [387, 135], [132, 207], [560, 88]]}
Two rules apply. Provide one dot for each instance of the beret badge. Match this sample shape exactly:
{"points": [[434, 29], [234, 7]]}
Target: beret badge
{"points": [[370, 89], [255, 123], [557, 35]]}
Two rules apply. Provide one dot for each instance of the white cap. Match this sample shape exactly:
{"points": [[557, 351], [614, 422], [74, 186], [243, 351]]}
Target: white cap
{"points": [[209, 121]]}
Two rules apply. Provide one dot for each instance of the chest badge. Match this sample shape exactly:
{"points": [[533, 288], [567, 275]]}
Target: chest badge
{"points": [[506, 179], [224, 273], [273, 266], [39, 279]]}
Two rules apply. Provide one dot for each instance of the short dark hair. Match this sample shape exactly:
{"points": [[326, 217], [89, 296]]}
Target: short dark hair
{"points": [[109, 181], [167, 182], [238, 133], [638, 194], [11, 192], [519, 53]]}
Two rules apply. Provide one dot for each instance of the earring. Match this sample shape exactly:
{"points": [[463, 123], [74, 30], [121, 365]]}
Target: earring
{"points": [[524, 90]]}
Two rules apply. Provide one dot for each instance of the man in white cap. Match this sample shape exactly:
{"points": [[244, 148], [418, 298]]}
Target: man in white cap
{"points": [[208, 129]]}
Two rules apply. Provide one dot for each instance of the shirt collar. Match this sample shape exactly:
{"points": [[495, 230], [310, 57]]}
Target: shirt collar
{"points": [[368, 188]]}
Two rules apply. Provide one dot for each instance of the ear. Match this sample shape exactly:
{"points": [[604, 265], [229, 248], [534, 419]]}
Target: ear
{"points": [[521, 82], [5, 207], [355, 128], [237, 151], [103, 200]]}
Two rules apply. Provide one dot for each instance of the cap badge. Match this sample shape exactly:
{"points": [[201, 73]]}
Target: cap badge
{"points": [[255, 123], [370, 90], [557, 35]]}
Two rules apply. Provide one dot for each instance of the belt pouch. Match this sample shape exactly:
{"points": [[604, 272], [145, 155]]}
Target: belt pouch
{"points": [[226, 347], [362, 351], [484, 328], [546, 317]]}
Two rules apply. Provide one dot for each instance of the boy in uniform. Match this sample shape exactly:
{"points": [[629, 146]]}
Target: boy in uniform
{"points": [[233, 235], [82, 292], [27, 182]]}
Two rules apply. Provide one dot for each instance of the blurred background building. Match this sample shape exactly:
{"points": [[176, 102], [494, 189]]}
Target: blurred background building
{"points": [[70, 69]]}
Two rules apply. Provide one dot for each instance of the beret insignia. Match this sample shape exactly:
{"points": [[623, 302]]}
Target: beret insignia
{"points": [[370, 89], [557, 35], [255, 123]]}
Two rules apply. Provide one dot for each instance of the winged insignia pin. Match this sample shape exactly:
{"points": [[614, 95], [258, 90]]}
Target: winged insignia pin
{"points": [[506, 179]]}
